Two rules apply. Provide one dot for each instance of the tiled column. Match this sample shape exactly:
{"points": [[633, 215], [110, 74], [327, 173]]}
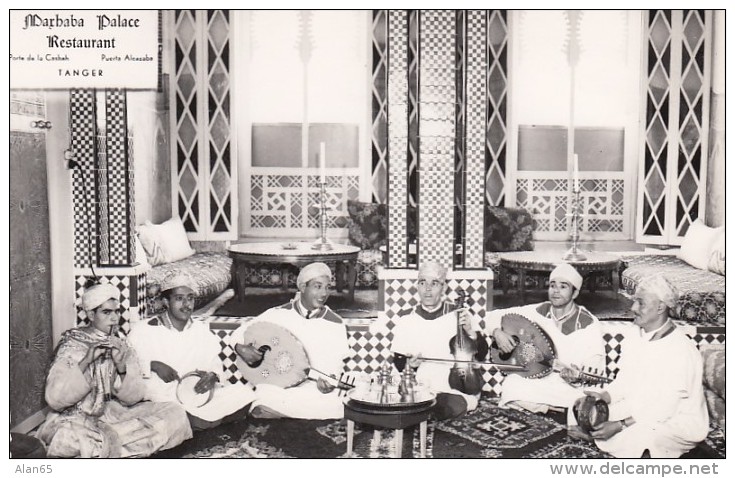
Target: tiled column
{"points": [[103, 202]]}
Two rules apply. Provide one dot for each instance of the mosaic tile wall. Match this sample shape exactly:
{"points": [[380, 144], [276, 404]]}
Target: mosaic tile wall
{"points": [[476, 91], [437, 133], [132, 297], [494, 26], [82, 129], [370, 346], [103, 201], [397, 131], [446, 113]]}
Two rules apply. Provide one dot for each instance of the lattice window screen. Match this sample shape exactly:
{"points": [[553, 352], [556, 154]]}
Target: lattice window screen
{"points": [[204, 170], [674, 169]]}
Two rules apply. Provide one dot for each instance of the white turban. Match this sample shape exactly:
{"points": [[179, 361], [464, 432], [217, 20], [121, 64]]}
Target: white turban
{"points": [[177, 279], [99, 294], [433, 270], [660, 286], [567, 273], [312, 271]]}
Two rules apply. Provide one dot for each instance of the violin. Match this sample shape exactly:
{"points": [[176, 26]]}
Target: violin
{"points": [[464, 376]]}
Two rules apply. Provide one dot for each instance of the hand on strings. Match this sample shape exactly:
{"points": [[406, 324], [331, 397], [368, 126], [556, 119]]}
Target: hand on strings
{"points": [[571, 373], [605, 430], [323, 385], [206, 383], [164, 371], [463, 317], [248, 353], [504, 341]]}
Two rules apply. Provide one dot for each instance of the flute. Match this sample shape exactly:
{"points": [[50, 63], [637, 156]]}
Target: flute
{"points": [[110, 368]]}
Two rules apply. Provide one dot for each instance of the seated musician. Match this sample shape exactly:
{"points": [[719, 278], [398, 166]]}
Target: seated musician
{"points": [[657, 404], [95, 388], [324, 338], [173, 345], [425, 331], [575, 333]]}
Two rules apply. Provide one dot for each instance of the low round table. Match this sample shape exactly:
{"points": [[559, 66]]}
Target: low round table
{"points": [[291, 253], [540, 261], [395, 419]]}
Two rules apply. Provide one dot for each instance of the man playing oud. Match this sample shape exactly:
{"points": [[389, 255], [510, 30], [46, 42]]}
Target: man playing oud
{"points": [[323, 336], [575, 333]]}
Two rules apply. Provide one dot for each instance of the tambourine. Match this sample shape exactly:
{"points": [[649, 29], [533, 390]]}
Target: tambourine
{"points": [[590, 412], [284, 362], [187, 396]]}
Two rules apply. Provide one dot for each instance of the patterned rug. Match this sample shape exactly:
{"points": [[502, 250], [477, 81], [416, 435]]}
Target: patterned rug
{"points": [[487, 432]]}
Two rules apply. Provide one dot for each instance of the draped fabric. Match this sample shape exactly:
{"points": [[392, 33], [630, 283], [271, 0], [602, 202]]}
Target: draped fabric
{"points": [[84, 424]]}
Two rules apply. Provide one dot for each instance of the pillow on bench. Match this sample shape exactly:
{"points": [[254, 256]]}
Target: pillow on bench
{"points": [[166, 242], [368, 224], [508, 229]]}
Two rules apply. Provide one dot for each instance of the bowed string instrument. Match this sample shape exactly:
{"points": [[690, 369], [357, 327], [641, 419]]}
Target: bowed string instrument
{"points": [[465, 375]]}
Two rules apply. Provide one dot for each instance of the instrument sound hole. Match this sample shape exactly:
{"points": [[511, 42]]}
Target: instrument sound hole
{"points": [[262, 349]]}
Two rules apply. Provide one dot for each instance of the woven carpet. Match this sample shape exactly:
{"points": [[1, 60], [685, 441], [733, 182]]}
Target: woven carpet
{"points": [[487, 432]]}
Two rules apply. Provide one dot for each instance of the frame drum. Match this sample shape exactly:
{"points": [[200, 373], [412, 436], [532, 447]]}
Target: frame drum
{"points": [[185, 393], [590, 412]]}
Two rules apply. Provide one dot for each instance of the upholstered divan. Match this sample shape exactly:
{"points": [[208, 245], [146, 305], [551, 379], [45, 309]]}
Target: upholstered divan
{"points": [[701, 292], [210, 273], [166, 248], [697, 270]]}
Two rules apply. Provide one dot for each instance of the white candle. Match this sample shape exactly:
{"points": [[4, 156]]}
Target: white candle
{"points": [[322, 161], [576, 172]]}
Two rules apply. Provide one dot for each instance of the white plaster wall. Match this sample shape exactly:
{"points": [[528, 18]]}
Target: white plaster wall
{"points": [[150, 155], [715, 206], [61, 214]]}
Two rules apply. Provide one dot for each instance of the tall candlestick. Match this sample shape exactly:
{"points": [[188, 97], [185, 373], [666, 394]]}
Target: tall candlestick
{"points": [[322, 161], [576, 172]]}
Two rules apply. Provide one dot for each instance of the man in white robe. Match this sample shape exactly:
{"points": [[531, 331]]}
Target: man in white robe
{"points": [[577, 338], [425, 331], [657, 404], [95, 391], [324, 338], [173, 345]]}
